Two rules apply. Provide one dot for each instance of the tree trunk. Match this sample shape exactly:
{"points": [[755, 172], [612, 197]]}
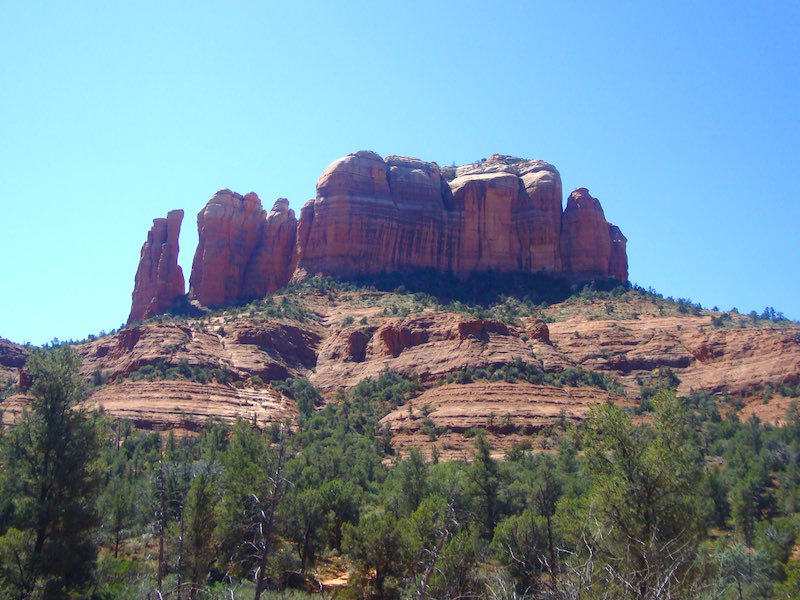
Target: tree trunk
{"points": [[161, 524], [268, 520]]}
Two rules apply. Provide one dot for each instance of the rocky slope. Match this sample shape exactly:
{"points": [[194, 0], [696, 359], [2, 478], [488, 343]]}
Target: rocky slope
{"points": [[373, 215], [12, 357], [177, 374], [508, 413]]}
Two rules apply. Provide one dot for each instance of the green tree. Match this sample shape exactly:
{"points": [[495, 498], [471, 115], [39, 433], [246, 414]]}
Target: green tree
{"points": [[306, 524], [254, 484], [376, 546], [484, 478], [413, 480], [521, 543], [50, 458], [744, 501], [116, 506], [199, 530], [742, 573], [426, 533], [457, 574], [645, 505], [341, 501]]}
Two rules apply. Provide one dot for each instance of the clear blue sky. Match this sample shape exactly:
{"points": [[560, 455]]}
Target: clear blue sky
{"points": [[681, 117]]}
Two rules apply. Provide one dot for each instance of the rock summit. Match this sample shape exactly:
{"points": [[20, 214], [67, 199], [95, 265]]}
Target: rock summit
{"points": [[376, 215]]}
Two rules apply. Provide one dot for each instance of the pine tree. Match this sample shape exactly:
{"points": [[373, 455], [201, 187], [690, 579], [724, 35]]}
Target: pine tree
{"points": [[646, 505], [200, 523], [50, 458], [485, 485], [254, 485]]}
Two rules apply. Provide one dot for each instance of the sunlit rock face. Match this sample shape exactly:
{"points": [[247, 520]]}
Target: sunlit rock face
{"points": [[380, 215], [585, 236], [375, 215], [159, 280], [243, 252]]}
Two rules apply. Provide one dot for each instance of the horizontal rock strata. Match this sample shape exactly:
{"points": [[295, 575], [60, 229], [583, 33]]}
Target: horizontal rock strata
{"points": [[159, 278], [353, 336], [373, 215], [507, 412], [186, 406]]}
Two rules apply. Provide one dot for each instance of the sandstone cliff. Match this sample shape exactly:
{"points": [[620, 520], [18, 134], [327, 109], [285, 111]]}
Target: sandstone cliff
{"points": [[504, 214], [159, 279], [373, 215], [242, 252], [177, 375]]}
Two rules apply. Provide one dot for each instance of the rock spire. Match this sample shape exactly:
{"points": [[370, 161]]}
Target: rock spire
{"points": [[377, 215]]}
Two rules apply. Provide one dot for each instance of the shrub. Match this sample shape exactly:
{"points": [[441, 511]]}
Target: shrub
{"points": [[302, 391]]}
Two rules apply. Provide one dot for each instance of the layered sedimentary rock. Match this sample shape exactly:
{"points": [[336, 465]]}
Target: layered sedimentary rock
{"points": [[373, 215], [343, 337], [585, 235], [243, 252], [357, 225], [159, 280], [271, 264], [618, 263], [230, 228], [507, 413]]}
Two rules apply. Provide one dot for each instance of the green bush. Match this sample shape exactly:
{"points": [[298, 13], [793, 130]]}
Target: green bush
{"points": [[302, 391], [161, 369]]}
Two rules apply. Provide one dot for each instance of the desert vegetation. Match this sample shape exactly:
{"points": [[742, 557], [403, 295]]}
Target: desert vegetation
{"points": [[682, 501]]}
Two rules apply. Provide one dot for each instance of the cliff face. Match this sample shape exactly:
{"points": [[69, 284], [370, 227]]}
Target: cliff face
{"points": [[585, 235], [374, 215], [159, 279], [230, 228], [243, 252]]}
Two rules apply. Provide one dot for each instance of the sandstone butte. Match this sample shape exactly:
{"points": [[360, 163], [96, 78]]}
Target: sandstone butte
{"points": [[373, 215]]}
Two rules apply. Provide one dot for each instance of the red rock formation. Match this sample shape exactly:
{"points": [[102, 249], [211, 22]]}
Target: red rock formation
{"points": [[12, 356], [618, 263], [242, 251], [230, 228], [507, 412], [270, 265], [585, 237], [159, 280], [486, 205], [537, 329], [628, 338], [502, 214], [543, 184], [357, 225], [373, 215]]}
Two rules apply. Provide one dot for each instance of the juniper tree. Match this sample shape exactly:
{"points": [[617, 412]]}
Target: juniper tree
{"points": [[49, 458]]}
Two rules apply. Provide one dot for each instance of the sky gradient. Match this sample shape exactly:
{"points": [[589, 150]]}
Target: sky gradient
{"points": [[681, 118]]}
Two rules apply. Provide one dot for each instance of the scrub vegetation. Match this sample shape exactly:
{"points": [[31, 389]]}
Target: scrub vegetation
{"points": [[676, 501]]}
